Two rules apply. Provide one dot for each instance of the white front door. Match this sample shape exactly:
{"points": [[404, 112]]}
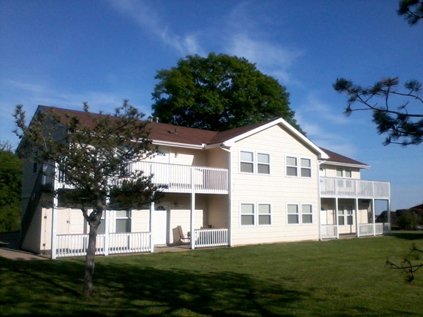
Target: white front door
{"points": [[159, 227]]}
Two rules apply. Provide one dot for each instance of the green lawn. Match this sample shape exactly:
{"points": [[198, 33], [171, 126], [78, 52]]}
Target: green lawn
{"points": [[344, 277]]}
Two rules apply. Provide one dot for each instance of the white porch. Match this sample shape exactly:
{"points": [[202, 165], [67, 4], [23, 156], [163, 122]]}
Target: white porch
{"points": [[346, 216], [67, 245], [177, 179]]}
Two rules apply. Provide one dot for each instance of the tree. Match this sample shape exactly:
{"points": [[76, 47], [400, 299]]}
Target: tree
{"points": [[400, 125], [412, 10], [10, 189], [218, 92], [403, 123], [409, 264], [93, 152]]}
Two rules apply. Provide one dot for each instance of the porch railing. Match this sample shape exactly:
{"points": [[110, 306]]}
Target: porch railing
{"points": [[185, 178], [366, 229], [211, 237], [77, 244], [328, 231], [179, 178], [349, 187]]}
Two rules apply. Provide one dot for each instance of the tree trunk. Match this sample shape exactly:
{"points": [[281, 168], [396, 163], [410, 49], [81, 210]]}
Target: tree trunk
{"points": [[94, 222]]}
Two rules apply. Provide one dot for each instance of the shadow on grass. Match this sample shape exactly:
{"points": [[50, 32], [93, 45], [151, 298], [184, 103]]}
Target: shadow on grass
{"points": [[408, 235], [53, 288]]}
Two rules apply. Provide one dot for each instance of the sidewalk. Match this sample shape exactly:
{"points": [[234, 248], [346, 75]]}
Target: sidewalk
{"points": [[9, 248]]}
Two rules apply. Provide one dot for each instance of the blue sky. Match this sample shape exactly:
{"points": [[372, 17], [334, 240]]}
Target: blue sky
{"points": [[63, 53]]}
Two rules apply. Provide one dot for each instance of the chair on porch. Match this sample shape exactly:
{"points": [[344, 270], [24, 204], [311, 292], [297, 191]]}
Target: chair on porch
{"points": [[179, 237]]}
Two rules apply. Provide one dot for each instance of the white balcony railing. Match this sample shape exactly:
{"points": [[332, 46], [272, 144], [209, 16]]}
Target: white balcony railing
{"points": [[211, 237], [179, 178], [76, 244], [352, 188]]}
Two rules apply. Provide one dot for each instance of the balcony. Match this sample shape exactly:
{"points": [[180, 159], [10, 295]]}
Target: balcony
{"points": [[179, 178], [353, 188], [185, 178]]}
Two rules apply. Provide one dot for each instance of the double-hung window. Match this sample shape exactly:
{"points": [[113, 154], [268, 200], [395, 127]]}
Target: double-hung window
{"points": [[293, 214], [251, 162], [298, 166], [263, 163], [256, 214], [307, 214], [305, 167], [247, 214], [264, 214], [247, 162], [300, 214], [123, 221], [291, 166]]}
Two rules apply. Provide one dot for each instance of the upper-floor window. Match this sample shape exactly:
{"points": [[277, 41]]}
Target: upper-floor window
{"points": [[298, 166], [305, 167], [251, 162], [291, 166], [247, 162], [263, 165], [343, 173]]}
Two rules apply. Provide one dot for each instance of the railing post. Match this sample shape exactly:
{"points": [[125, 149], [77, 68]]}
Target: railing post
{"points": [[106, 232], [152, 208], [336, 218], [192, 209], [357, 220], [53, 242], [373, 217]]}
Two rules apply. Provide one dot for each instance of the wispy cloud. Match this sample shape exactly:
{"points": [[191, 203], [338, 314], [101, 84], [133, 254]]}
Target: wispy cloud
{"points": [[42, 94], [245, 37], [315, 107], [321, 123], [150, 22], [271, 58]]}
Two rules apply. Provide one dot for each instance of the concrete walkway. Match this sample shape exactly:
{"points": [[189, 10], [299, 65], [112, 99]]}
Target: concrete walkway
{"points": [[9, 248]]}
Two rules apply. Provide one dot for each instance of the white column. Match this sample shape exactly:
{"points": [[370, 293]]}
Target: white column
{"points": [[389, 215], [357, 219], [106, 231], [336, 218], [152, 208], [192, 214], [374, 217], [53, 213]]}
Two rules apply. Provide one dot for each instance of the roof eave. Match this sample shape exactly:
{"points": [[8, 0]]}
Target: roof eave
{"points": [[279, 121]]}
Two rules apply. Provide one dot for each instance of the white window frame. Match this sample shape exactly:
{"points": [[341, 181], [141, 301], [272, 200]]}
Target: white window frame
{"points": [[253, 213], [267, 214], [267, 164], [305, 168], [127, 218], [344, 173], [299, 167], [241, 161], [299, 214], [256, 214], [255, 162]]}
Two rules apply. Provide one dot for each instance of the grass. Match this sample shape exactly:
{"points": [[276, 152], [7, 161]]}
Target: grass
{"points": [[334, 278]]}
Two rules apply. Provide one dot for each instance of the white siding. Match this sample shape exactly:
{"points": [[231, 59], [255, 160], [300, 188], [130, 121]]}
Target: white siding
{"points": [[275, 188]]}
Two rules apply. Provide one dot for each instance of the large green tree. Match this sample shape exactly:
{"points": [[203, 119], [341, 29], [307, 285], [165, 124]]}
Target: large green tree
{"points": [[397, 111], [10, 189], [93, 152], [218, 92]]}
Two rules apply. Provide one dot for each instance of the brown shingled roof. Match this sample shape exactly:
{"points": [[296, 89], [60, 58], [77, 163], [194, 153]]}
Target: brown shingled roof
{"points": [[177, 134], [338, 158]]}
